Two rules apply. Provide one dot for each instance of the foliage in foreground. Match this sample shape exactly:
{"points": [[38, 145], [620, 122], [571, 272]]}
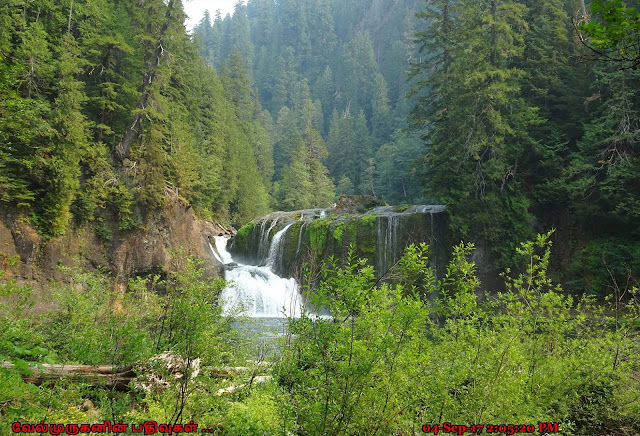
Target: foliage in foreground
{"points": [[397, 356], [93, 324], [392, 357]]}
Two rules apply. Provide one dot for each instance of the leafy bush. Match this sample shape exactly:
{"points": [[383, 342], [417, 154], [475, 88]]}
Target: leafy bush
{"points": [[392, 358], [348, 371], [93, 322]]}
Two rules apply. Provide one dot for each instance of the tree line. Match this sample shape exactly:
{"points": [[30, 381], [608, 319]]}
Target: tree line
{"points": [[512, 116], [107, 105], [332, 76], [526, 129]]}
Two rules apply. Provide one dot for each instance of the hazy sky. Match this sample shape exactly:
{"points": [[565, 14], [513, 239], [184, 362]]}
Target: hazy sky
{"points": [[195, 9]]}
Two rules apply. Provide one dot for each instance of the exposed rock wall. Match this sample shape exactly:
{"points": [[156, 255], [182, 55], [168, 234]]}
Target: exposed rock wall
{"points": [[379, 235], [123, 254]]}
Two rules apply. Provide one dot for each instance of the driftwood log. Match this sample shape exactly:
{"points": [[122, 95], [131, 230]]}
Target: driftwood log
{"points": [[110, 376]]}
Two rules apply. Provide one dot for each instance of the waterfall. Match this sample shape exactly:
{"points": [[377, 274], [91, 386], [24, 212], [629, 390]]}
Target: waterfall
{"points": [[387, 241], [221, 248], [257, 289], [215, 253], [304, 223], [276, 249], [379, 234], [263, 247]]}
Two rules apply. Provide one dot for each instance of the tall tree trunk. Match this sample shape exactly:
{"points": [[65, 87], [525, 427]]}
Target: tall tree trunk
{"points": [[70, 13], [446, 28], [122, 149], [585, 16]]}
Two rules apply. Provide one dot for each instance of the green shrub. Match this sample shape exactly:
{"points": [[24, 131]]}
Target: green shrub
{"points": [[337, 233], [389, 360], [368, 220]]}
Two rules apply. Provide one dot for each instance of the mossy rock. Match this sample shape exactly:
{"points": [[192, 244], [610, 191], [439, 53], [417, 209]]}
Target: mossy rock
{"points": [[242, 238], [338, 231], [333, 235], [318, 233], [356, 204], [368, 220]]}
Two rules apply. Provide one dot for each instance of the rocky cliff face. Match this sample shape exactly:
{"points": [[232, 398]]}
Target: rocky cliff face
{"points": [[123, 254], [379, 234]]}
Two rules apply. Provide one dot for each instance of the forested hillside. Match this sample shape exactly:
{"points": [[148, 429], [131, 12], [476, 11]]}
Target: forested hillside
{"points": [[546, 127], [333, 77], [123, 136], [106, 105], [515, 121]]}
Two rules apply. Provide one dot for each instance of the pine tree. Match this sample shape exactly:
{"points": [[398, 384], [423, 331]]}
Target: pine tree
{"points": [[554, 86], [381, 112], [475, 119], [23, 130], [396, 181], [323, 192], [325, 91], [261, 17], [238, 85], [287, 136], [305, 182], [295, 189], [360, 74], [62, 170], [602, 177], [240, 37], [340, 146]]}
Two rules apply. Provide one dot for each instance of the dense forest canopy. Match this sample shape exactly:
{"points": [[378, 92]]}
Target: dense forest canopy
{"points": [[508, 117], [520, 115], [333, 76], [107, 104]]}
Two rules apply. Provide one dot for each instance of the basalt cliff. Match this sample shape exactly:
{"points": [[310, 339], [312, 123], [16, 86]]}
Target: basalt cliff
{"points": [[123, 254], [358, 223]]}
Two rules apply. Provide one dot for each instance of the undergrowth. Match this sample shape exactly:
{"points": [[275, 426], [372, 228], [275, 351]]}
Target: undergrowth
{"points": [[393, 356]]}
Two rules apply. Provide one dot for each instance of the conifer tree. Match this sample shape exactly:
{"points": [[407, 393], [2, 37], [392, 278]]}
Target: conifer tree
{"points": [[287, 136], [71, 142], [240, 38], [602, 177], [475, 120]]}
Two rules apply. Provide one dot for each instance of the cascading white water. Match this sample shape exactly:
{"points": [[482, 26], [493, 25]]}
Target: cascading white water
{"points": [[276, 248], [304, 223], [257, 289], [263, 246], [387, 241], [221, 248]]}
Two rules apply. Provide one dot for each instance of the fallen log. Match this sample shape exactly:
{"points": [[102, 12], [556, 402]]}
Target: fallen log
{"points": [[109, 376], [233, 388]]}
